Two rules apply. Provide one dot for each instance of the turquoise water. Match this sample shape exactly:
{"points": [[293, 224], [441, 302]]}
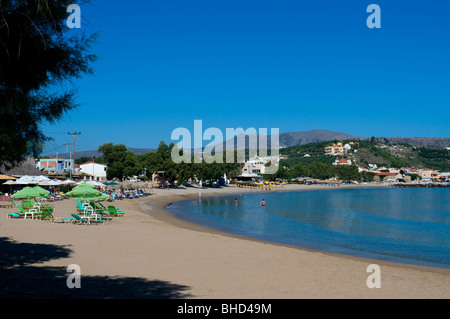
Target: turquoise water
{"points": [[410, 225]]}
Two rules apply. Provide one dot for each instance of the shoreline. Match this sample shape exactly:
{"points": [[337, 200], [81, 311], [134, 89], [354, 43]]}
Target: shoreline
{"points": [[169, 217], [150, 253]]}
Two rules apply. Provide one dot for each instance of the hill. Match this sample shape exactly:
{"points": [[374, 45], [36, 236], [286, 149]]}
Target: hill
{"points": [[294, 138], [299, 138], [415, 141], [290, 139], [377, 151]]}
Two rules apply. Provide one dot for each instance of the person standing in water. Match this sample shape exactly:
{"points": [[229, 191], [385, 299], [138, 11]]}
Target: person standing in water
{"points": [[263, 203]]}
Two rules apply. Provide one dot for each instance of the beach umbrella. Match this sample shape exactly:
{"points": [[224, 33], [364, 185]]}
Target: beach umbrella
{"points": [[24, 180], [67, 182], [111, 183], [95, 183], [10, 183], [83, 191], [87, 193], [99, 197], [84, 184], [48, 183], [41, 193], [30, 192], [26, 192]]}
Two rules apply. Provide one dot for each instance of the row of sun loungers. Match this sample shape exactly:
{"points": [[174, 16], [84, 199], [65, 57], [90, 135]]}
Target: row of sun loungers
{"points": [[89, 213]]}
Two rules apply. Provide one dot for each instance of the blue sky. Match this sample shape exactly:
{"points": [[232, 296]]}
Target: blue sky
{"points": [[294, 65]]}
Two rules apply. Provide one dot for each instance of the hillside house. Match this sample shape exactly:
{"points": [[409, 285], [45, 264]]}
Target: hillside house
{"points": [[342, 161]]}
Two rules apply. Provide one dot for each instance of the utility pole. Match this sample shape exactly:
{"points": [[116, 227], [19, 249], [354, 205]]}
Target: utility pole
{"points": [[74, 134], [70, 161]]}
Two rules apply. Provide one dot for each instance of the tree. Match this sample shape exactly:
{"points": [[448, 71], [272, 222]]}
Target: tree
{"points": [[301, 170], [37, 56], [321, 170], [347, 172], [120, 162]]}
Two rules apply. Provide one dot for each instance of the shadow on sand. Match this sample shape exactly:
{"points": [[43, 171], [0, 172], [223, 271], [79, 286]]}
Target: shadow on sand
{"points": [[21, 278]]}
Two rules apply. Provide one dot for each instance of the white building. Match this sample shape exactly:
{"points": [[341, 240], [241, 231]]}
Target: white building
{"points": [[347, 147], [96, 170], [261, 165], [342, 161], [55, 165]]}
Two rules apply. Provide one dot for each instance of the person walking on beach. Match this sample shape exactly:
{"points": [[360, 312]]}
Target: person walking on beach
{"points": [[263, 203]]}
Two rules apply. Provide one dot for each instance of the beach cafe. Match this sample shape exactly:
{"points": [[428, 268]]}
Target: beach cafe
{"points": [[249, 180]]}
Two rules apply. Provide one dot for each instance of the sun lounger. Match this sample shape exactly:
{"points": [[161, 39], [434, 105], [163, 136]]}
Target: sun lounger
{"points": [[86, 220], [55, 219], [98, 216], [20, 214], [24, 214], [16, 215], [27, 204], [101, 210], [107, 208], [114, 212], [85, 209]]}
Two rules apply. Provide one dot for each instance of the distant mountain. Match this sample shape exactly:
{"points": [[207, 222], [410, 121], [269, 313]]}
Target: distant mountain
{"points": [[416, 141], [313, 136], [300, 138], [95, 153], [290, 139], [295, 138], [140, 151]]}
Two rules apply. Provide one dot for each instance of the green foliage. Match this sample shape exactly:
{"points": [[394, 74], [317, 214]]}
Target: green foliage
{"points": [[84, 159], [321, 170], [414, 176], [371, 151], [37, 57], [120, 162], [435, 158], [301, 170], [347, 172], [366, 176]]}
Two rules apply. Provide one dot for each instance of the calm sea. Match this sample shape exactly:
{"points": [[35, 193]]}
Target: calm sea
{"points": [[410, 225]]}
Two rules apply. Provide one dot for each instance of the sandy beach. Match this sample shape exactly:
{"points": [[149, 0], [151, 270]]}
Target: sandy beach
{"points": [[149, 253]]}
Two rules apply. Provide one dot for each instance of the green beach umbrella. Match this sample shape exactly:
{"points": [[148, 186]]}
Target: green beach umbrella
{"points": [[31, 192], [83, 191], [42, 193], [99, 197], [83, 185], [87, 193]]}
